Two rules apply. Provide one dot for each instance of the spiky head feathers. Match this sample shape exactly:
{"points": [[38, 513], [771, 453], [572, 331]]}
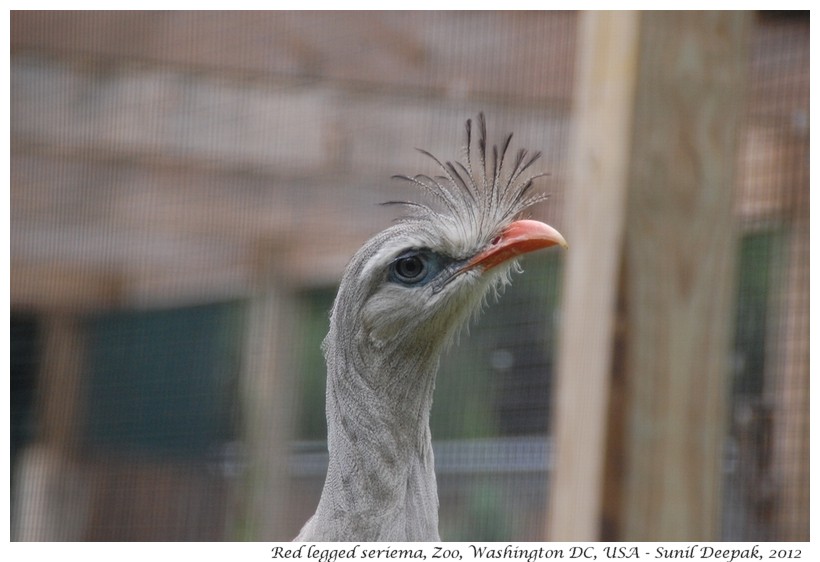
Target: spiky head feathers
{"points": [[476, 199]]}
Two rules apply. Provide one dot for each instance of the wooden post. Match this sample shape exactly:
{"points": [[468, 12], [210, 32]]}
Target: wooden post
{"points": [[267, 405], [789, 380], [53, 493], [642, 371], [595, 222]]}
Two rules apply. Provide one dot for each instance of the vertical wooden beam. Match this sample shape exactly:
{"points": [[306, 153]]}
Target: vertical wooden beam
{"points": [[664, 168], [61, 382], [790, 380], [680, 262], [608, 46], [53, 493], [267, 402]]}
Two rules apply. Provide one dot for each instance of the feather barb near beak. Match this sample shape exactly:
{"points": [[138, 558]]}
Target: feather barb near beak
{"points": [[520, 237]]}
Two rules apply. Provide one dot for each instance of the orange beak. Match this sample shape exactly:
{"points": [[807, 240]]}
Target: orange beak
{"points": [[520, 237]]}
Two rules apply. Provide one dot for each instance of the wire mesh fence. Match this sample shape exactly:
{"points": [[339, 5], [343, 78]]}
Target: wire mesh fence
{"points": [[174, 174]]}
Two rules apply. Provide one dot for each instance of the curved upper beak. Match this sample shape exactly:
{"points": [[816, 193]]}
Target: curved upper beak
{"points": [[521, 237]]}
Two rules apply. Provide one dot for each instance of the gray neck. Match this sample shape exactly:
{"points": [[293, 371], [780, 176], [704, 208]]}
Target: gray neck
{"points": [[380, 483]]}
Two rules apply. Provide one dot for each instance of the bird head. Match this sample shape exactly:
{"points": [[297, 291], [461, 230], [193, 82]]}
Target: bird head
{"points": [[410, 288]]}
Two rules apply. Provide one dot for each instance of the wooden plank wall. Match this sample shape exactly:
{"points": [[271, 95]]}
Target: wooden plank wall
{"points": [[161, 148]]}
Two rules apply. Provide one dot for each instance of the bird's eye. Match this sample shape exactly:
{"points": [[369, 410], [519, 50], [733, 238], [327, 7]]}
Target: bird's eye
{"points": [[412, 267]]}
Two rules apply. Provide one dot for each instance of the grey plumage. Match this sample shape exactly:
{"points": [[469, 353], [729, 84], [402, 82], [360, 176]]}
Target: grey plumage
{"points": [[402, 298]]}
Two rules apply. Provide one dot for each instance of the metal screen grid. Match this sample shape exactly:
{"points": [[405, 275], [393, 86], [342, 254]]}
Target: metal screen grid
{"points": [[162, 162]]}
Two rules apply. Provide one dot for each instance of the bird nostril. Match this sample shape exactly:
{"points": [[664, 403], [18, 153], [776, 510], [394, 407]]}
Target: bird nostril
{"points": [[496, 240]]}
